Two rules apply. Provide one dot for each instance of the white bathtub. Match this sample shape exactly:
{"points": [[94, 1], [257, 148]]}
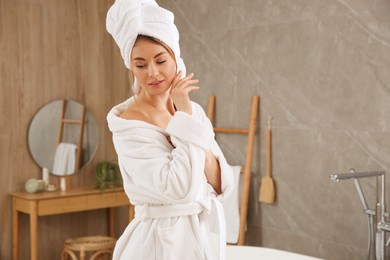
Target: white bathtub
{"points": [[262, 253]]}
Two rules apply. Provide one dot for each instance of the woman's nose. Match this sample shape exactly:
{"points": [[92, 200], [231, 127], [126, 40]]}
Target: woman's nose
{"points": [[152, 70]]}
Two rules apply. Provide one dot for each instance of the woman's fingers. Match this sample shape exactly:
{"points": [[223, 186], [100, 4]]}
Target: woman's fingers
{"points": [[187, 83], [176, 79], [180, 89], [184, 82]]}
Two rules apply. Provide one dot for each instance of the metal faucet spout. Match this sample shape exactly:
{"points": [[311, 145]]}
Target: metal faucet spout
{"points": [[378, 225], [354, 175]]}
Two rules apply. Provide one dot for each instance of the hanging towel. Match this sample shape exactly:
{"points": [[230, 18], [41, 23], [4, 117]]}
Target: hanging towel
{"points": [[65, 159], [231, 206]]}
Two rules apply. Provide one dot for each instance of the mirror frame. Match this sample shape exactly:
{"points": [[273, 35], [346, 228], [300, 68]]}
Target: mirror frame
{"points": [[44, 132]]}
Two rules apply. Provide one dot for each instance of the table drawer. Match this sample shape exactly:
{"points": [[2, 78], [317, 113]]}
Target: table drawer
{"points": [[61, 205]]}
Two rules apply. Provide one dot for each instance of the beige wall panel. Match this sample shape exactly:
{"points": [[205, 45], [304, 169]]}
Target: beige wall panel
{"points": [[54, 50]]}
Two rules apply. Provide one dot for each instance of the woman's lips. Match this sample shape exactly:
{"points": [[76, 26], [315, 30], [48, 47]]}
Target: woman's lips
{"points": [[156, 83]]}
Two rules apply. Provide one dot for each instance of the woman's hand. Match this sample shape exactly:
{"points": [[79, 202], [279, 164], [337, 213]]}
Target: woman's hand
{"points": [[180, 91], [213, 172]]}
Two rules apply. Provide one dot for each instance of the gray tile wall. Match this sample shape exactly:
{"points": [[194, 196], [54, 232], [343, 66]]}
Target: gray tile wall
{"points": [[322, 70]]}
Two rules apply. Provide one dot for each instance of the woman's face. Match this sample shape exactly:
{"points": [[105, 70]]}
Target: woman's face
{"points": [[153, 66]]}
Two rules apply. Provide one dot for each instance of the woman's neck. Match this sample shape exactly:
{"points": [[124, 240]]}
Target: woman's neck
{"points": [[159, 103]]}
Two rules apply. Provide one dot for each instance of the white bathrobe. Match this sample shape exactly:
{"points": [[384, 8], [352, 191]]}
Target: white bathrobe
{"points": [[176, 210]]}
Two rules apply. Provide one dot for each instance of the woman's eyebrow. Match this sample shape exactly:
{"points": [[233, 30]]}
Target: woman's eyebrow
{"points": [[158, 54]]}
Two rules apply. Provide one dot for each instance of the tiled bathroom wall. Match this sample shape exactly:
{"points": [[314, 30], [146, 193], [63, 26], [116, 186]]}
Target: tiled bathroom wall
{"points": [[321, 69]]}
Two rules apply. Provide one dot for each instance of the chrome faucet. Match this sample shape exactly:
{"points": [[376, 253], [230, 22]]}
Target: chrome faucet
{"points": [[379, 225]]}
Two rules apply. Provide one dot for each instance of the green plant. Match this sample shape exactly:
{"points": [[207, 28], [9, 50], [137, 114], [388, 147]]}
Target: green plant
{"points": [[107, 175]]}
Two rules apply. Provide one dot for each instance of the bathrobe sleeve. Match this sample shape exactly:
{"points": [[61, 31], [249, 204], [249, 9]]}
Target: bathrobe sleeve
{"points": [[227, 177]]}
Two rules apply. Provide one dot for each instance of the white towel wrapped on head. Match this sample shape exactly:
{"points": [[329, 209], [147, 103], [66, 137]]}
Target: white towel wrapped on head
{"points": [[128, 19]]}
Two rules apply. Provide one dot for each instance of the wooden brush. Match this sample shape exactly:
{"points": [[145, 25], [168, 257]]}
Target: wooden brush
{"points": [[267, 188]]}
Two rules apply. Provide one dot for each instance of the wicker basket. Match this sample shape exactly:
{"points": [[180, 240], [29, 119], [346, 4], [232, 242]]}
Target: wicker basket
{"points": [[95, 245]]}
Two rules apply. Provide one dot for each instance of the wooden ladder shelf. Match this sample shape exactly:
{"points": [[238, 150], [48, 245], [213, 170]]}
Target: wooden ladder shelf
{"points": [[250, 131]]}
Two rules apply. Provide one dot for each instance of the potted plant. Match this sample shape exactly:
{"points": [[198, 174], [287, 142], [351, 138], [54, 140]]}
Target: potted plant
{"points": [[107, 175]]}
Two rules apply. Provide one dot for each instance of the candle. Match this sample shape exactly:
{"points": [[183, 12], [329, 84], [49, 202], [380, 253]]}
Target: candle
{"points": [[45, 176], [63, 184]]}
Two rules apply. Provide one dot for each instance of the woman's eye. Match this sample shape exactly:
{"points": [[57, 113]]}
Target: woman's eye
{"points": [[161, 62], [140, 66]]}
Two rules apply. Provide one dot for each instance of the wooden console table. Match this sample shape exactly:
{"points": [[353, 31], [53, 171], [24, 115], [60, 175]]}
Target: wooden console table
{"points": [[59, 202]]}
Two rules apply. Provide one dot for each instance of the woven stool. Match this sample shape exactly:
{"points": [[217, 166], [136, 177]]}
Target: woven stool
{"points": [[97, 245]]}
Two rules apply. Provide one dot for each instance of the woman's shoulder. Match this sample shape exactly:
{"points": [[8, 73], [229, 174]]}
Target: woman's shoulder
{"points": [[119, 108], [123, 117], [127, 110], [132, 113]]}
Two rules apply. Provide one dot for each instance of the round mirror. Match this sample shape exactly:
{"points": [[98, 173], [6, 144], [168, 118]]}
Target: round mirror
{"points": [[63, 137]]}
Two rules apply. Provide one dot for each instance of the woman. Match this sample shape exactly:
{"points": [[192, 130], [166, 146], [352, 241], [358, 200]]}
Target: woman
{"points": [[173, 170]]}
